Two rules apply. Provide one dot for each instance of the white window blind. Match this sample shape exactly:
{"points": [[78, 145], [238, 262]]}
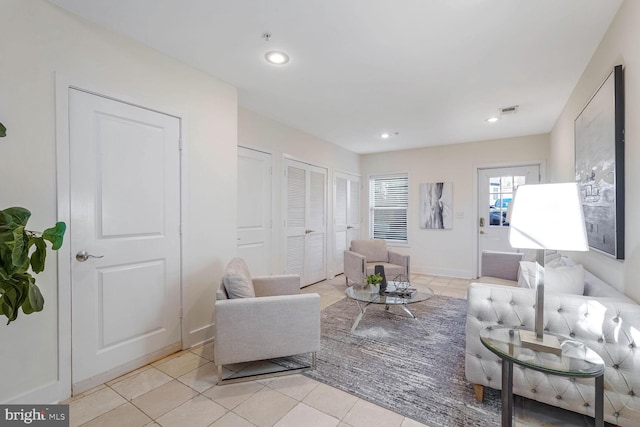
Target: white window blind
{"points": [[388, 206]]}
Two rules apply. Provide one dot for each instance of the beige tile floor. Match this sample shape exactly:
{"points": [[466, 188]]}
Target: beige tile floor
{"points": [[180, 390]]}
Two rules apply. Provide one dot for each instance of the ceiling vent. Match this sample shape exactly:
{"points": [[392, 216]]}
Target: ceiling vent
{"points": [[509, 110]]}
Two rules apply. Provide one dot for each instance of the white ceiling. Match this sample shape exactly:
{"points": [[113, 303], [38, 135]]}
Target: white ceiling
{"points": [[432, 70]]}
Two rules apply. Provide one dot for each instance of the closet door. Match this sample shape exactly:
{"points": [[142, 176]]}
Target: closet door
{"points": [[346, 217], [305, 221]]}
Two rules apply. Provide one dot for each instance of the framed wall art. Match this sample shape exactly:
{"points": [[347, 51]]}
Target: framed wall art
{"points": [[599, 162], [436, 201]]}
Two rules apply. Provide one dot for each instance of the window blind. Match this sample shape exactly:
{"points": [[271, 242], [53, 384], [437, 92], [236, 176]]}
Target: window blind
{"points": [[389, 203]]}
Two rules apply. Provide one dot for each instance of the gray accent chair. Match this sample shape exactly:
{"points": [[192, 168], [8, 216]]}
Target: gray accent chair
{"points": [[279, 321], [363, 255]]}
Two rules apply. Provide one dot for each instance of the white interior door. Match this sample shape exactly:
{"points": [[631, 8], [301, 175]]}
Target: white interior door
{"points": [[254, 210], [305, 221], [346, 216], [125, 215], [495, 192]]}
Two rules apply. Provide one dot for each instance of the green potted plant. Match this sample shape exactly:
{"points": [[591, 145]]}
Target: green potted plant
{"points": [[374, 280], [17, 261]]}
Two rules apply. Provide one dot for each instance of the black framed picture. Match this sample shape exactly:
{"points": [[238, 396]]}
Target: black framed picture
{"points": [[599, 151]]}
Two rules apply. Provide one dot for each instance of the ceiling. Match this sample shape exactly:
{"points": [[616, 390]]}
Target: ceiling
{"points": [[431, 70]]}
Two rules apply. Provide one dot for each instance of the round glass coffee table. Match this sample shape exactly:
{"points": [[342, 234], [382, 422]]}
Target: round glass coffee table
{"points": [[363, 294]]}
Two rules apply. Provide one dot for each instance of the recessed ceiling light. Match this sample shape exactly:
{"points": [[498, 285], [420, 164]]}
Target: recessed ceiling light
{"points": [[385, 135], [276, 58], [492, 119]]}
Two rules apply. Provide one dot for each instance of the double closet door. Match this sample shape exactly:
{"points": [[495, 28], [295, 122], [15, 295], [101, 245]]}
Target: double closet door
{"points": [[305, 221]]}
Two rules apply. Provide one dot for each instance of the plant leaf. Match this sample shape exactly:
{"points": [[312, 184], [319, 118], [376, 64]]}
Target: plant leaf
{"points": [[19, 251], [15, 215], [3, 131], [34, 301], [39, 255], [14, 293], [55, 235]]}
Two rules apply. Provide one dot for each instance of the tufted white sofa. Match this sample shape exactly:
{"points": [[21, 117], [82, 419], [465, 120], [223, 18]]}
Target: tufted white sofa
{"points": [[610, 325]]}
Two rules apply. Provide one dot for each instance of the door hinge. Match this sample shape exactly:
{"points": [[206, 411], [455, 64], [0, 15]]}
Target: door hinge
{"points": [[181, 313], [180, 229], [180, 144]]}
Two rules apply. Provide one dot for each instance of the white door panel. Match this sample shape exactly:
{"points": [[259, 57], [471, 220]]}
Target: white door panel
{"points": [[495, 192], [346, 216], [254, 210], [305, 221], [125, 209]]}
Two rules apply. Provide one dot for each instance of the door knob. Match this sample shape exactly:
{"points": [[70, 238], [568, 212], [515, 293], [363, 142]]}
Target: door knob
{"points": [[308, 231], [481, 231], [349, 227], [82, 256]]}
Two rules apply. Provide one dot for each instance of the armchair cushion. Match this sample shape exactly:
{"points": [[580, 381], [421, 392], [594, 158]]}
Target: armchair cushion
{"points": [[375, 250], [237, 280]]}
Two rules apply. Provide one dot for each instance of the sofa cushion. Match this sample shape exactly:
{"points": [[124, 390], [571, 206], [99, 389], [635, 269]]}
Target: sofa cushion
{"points": [[375, 250], [237, 280], [566, 279]]}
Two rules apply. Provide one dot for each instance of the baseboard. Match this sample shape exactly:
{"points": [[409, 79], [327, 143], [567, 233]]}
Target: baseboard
{"points": [[47, 394], [111, 374], [201, 335], [445, 272]]}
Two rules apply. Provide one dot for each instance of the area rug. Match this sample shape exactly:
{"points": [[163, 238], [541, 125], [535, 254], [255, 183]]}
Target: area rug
{"points": [[414, 367]]}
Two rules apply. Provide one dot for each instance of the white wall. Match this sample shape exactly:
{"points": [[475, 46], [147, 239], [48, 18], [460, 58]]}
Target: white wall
{"points": [[619, 46], [262, 133], [38, 39], [449, 252]]}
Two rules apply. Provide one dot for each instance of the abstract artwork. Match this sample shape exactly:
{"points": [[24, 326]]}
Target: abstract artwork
{"points": [[599, 145], [436, 205]]}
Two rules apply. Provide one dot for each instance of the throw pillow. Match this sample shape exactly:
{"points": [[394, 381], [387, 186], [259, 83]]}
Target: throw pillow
{"points": [[237, 280], [566, 279]]}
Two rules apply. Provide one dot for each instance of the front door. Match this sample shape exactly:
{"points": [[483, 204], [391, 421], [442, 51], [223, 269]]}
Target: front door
{"points": [[495, 192], [305, 221], [254, 210], [125, 237]]}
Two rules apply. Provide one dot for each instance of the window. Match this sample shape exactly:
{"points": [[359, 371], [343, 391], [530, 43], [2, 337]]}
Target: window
{"points": [[500, 195], [388, 207]]}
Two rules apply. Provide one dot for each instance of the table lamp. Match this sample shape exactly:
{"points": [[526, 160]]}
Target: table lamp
{"points": [[546, 216]]}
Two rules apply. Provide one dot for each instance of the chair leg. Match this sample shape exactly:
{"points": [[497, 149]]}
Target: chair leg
{"points": [[478, 390], [219, 374], [313, 360]]}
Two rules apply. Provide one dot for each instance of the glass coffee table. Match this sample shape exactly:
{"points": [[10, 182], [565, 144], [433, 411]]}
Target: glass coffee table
{"points": [[363, 294]]}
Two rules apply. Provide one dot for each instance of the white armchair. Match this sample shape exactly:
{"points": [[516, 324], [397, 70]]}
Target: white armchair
{"points": [[279, 321], [363, 255]]}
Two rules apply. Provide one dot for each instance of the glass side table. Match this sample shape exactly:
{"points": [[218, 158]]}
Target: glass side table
{"points": [[577, 360]]}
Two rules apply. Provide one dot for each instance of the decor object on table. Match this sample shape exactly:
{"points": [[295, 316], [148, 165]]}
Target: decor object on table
{"points": [[279, 321], [436, 200], [363, 255], [17, 286], [546, 216], [379, 270], [599, 151], [3, 131]]}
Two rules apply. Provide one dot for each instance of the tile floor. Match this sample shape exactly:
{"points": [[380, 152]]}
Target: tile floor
{"points": [[180, 390]]}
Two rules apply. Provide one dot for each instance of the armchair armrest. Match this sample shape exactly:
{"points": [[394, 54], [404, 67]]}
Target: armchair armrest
{"points": [[503, 265], [354, 266], [248, 329], [400, 259], [286, 284]]}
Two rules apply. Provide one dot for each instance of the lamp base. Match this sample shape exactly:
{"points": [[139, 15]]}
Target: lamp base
{"points": [[548, 344]]}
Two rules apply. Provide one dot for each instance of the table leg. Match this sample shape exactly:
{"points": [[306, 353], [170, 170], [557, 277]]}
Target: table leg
{"points": [[405, 308], [507, 393], [600, 401], [359, 317]]}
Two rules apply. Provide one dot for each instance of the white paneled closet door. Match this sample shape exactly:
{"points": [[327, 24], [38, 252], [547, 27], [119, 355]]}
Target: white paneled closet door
{"points": [[346, 216], [305, 221]]}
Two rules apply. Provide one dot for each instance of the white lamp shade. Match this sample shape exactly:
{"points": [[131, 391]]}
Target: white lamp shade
{"points": [[548, 216]]}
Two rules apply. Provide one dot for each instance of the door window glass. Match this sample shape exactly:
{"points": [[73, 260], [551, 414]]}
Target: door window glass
{"points": [[500, 196]]}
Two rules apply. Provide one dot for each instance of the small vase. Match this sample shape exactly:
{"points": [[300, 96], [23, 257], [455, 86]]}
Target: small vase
{"points": [[374, 289]]}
